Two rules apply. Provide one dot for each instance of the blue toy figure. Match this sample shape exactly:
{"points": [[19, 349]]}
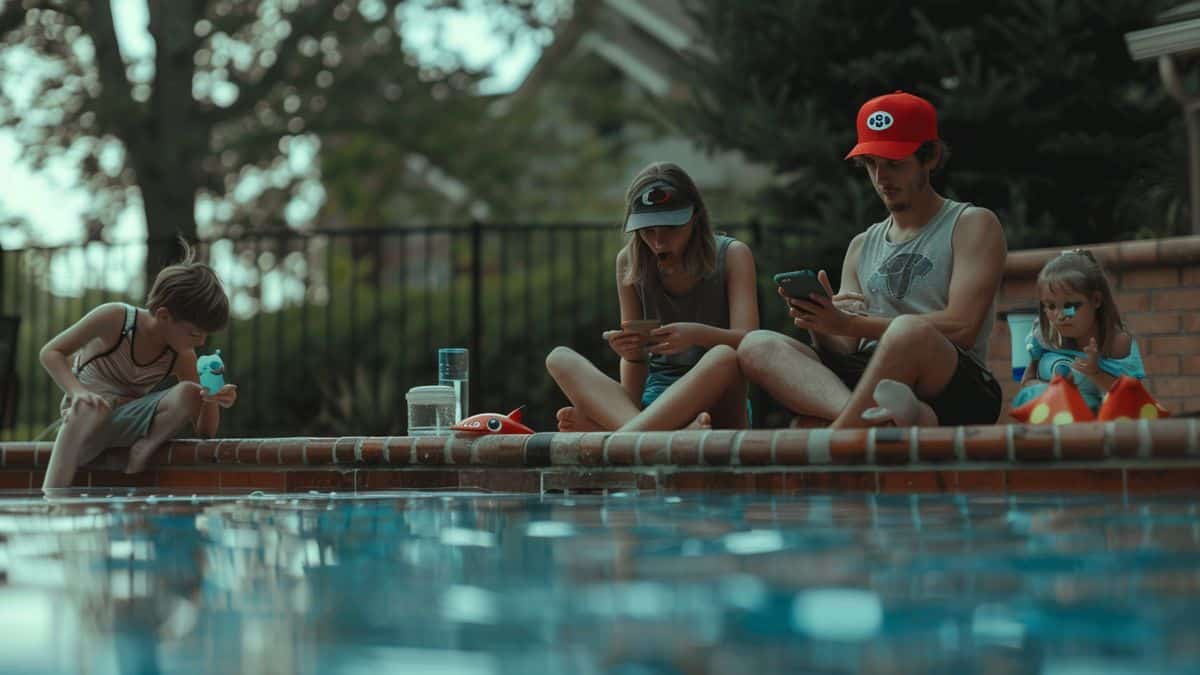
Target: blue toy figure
{"points": [[212, 372]]}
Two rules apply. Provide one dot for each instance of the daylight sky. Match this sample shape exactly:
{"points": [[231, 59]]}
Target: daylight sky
{"points": [[45, 198]]}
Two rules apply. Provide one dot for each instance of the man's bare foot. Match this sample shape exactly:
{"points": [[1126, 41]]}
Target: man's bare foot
{"points": [[897, 403], [570, 419], [702, 421], [139, 454]]}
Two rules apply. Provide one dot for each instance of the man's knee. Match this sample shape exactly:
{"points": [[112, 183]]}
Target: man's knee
{"points": [[560, 360], [908, 330]]}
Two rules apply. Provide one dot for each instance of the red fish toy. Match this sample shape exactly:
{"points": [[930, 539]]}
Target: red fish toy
{"points": [[493, 423]]}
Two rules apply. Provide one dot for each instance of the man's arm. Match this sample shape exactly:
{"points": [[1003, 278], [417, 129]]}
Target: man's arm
{"points": [[844, 344], [979, 253]]}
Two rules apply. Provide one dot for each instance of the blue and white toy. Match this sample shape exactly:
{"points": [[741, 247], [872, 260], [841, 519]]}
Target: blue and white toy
{"points": [[212, 372]]}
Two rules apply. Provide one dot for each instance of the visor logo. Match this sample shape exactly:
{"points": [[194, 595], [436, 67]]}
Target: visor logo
{"points": [[879, 120], [655, 196]]}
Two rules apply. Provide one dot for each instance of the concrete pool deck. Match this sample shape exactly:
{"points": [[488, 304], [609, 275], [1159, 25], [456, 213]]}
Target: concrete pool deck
{"points": [[1100, 457]]}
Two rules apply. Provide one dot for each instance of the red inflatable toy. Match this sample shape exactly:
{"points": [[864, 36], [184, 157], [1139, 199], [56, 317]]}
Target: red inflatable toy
{"points": [[493, 423]]}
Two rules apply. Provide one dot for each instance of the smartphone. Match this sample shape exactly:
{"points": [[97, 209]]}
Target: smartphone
{"points": [[640, 325], [800, 284]]}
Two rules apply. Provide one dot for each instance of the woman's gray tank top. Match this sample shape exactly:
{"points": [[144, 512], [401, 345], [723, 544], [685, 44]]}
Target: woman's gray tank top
{"points": [[705, 303], [913, 277]]}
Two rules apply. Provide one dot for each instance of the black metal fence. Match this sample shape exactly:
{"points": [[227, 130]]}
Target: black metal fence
{"points": [[330, 328]]}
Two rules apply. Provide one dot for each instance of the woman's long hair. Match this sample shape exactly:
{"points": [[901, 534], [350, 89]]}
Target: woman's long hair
{"points": [[700, 255]]}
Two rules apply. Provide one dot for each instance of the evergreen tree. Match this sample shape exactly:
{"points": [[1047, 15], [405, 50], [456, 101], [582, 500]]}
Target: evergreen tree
{"points": [[1050, 122]]}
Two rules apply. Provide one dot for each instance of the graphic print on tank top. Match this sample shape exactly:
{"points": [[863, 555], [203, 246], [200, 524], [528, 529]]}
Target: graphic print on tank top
{"points": [[895, 276]]}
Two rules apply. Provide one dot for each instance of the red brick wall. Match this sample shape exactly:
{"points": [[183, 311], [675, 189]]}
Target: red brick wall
{"points": [[1157, 284]]}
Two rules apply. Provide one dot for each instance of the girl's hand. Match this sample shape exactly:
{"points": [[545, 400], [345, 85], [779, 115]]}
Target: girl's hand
{"points": [[1089, 363], [224, 397], [674, 338], [627, 344]]}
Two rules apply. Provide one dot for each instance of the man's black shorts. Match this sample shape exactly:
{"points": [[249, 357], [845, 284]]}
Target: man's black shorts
{"points": [[972, 396]]}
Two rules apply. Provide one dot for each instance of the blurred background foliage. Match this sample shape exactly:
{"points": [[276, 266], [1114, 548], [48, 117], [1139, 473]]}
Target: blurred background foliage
{"points": [[235, 121]]}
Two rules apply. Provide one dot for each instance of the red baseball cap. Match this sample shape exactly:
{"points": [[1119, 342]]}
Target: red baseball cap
{"points": [[894, 126]]}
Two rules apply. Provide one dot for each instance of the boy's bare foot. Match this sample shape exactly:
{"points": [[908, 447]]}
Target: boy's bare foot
{"points": [[570, 419], [702, 421], [139, 454]]}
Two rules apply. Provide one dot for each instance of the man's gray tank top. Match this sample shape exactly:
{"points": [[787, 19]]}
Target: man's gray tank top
{"points": [[705, 303], [913, 277]]}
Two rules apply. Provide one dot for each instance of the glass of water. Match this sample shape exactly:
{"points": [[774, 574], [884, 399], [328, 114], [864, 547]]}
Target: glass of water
{"points": [[430, 410], [454, 368]]}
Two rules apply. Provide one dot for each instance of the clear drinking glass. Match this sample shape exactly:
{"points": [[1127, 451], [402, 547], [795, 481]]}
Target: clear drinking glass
{"points": [[454, 369], [430, 410]]}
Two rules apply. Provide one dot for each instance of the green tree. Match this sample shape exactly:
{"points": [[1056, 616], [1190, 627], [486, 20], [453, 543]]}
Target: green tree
{"points": [[1051, 124], [214, 111]]}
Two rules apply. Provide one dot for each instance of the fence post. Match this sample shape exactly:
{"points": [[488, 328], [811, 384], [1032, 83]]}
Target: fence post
{"points": [[476, 340]]}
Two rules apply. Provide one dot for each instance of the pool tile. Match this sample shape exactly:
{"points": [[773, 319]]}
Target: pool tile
{"points": [[847, 446], [850, 481], [986, 480], [716, 447], [901, 482], [620, 448], [430, 449], [273, 481], [1169, 438], [791, 445], [1065, 480], [585, 480], [16, 480], [319, 451], [1158, 481], [109, 478], [755, 449], [985, 444], [892, 444], [1081, 441], [706, 481], [21, 454], [655, 449], [936, 444], [406, 479], [501, 480], [1126, 439], [189, 479], [343, 450], [685, 448], [247, 451], [505, 450], [590, 449], [462, 448], [398, 450], [1031, 443], [320, 480], [371, 451], [182, 453], [226, 451]]}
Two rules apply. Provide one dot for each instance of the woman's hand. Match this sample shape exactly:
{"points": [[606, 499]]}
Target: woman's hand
{"points": [[674, 338], [1089, 363], [225, 396], [628, 345]]}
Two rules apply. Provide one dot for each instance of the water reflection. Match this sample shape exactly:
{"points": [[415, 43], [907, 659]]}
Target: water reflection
{"points": [[623, 584]]}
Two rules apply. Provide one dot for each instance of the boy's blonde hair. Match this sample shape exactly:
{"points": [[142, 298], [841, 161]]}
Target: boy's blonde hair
{"points": [[1078, 270], [700, 255], [191, 292]]}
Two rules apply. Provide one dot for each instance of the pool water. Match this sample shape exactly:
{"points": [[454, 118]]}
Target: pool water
{"points": [[622, 584]]}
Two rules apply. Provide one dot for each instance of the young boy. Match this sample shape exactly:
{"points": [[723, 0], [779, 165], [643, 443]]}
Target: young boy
{"points": [[121, 353]]}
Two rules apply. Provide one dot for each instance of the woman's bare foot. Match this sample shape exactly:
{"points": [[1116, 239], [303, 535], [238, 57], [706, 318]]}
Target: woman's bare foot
{"points": [[702, 421], [139, 454], [570, 419]]}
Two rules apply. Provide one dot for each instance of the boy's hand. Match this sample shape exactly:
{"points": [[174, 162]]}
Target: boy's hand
{"points": [[224, 397], [88, 398]]}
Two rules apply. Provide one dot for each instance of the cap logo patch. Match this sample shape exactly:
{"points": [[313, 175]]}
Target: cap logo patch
{"points": [[879, 120], [655, 196]]}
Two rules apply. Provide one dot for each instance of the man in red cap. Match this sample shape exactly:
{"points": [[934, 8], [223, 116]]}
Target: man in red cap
{"points": [[906, 336]]}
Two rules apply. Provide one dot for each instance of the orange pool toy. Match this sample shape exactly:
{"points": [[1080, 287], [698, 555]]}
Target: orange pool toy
{"points": [[1129, 400], [1061, 403], [493, 423]]}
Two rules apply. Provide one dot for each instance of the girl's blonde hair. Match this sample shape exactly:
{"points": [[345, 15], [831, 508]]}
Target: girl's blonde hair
{"points": [[700, 255], [191, 292], [1078, 271]]}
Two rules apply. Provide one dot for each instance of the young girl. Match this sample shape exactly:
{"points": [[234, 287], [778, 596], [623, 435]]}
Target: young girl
{"points": [[1078, 331], [702, 289], [121, 353]]}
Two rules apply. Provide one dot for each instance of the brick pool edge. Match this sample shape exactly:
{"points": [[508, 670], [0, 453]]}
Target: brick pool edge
{"points": [[1104, 457]]}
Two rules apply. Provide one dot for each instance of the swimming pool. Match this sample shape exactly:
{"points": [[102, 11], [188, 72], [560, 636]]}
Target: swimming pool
{"points": [[625, 584]]}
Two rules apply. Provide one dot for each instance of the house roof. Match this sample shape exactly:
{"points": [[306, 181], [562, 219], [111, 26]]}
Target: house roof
{"points": [[645, 39]]}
